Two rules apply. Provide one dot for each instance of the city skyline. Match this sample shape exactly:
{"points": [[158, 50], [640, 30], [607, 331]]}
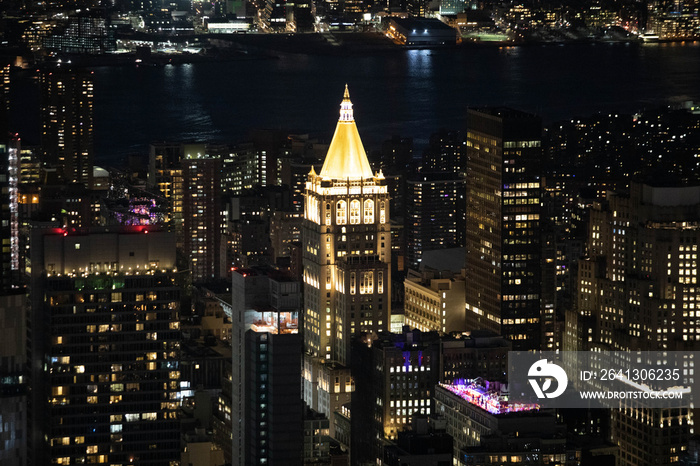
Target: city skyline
{"points": [[203, 264]]}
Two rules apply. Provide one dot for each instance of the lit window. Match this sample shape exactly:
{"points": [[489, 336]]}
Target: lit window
{"points": [[341, 213], [354, 212], [369, 211]]}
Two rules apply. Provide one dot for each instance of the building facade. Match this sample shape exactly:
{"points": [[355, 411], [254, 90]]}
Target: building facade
{"points": [[434, 302]]}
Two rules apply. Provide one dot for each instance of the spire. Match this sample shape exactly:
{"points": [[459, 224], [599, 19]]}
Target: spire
{"points": [[346, 107], [346, 156]]}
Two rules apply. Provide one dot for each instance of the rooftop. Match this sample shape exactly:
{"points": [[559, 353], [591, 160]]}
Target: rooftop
{"points": [[487, 396]]}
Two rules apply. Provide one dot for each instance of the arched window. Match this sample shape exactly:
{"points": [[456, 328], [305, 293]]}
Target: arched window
{"points": [[380, 282], [367, 284], [352, 282], [369, 211], [341, 213], [354, 212], [382, 212]]}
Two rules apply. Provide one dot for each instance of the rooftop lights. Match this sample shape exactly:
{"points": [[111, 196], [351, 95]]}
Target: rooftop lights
{"points": [[490, 400]]}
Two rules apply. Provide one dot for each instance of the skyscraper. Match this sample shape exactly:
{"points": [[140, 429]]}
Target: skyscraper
{"points": [[67, 123], [104, 347], [347, 253], [266, 406], [503, 275]]}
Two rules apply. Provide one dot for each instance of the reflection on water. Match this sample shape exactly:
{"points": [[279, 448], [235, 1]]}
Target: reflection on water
{"points": [[409, 93]]}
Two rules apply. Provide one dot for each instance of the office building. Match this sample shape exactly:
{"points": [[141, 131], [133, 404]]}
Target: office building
{"points": [[4, 102], [5, 220], [503, 270], [434, 301], [67, 98], [479, 354], [426, 444], [274, 409], [395, 375], [104, 347], [82, 33], [346, 246]]}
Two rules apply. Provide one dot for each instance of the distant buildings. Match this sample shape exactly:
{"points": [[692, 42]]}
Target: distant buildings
{"points": [[417, 32], [82, 34], [503, 270], [639, 280]]}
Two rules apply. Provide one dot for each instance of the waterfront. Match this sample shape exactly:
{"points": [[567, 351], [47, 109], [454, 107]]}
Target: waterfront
{"points": [[406, 92]]}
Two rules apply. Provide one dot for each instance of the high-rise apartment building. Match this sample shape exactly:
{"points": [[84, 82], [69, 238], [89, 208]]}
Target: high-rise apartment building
{"points": [[104, 347], [434, 214], [347, 254], [67, 123], [503, 270], [202, 218]]}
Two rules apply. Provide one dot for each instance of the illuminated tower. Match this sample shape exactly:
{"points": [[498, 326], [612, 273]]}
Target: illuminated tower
{"points": [[347, 256]]}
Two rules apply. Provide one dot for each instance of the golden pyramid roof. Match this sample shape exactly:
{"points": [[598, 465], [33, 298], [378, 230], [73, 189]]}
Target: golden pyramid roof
{"points": [[346, 156]]}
